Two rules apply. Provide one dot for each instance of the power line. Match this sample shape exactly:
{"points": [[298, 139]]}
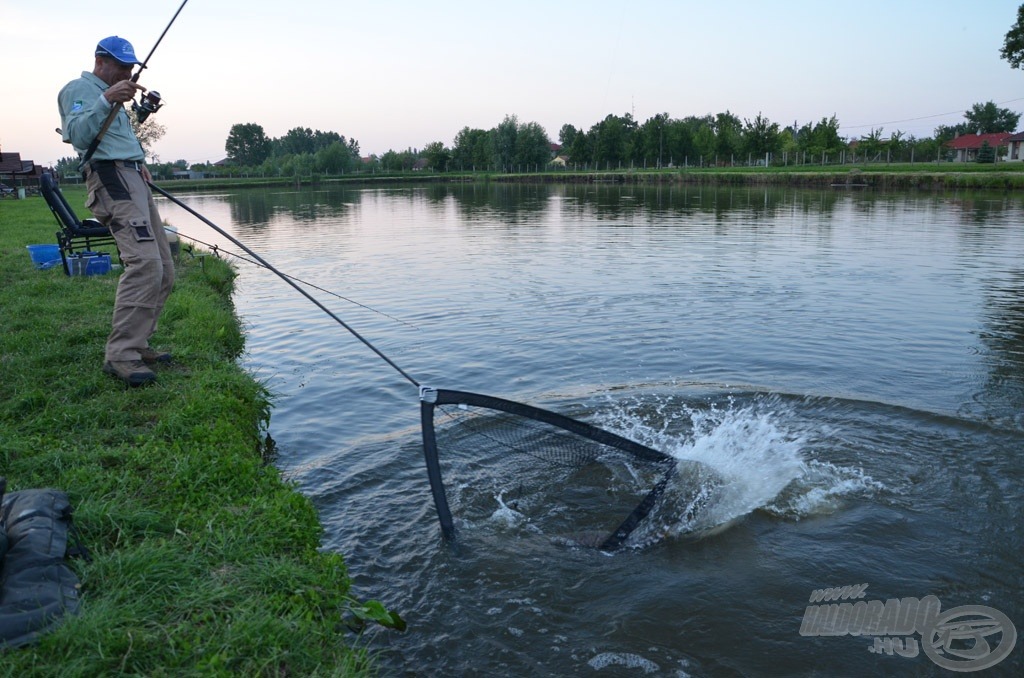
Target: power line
{"points": [[923, 117]]}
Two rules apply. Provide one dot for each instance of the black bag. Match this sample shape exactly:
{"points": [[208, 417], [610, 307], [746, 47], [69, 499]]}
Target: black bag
{"points": [[37, 588]]}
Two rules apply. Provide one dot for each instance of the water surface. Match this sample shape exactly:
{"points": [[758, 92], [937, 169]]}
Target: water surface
{"points": [[849, 364]]}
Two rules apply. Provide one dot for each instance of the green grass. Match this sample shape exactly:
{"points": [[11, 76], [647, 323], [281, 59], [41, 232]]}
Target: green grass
{"points": [[204, 561], [919, 175]]}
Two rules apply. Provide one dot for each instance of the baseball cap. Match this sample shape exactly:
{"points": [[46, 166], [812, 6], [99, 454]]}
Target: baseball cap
{"points": [[118, 49]]}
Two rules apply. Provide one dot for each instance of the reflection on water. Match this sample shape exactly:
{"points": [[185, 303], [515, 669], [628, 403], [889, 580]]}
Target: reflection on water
{"points": [[847, 365]]}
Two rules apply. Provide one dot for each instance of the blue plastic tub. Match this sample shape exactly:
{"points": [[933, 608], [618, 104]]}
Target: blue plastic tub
{"points": [[44, 256], [89, 263], [99, 264]]}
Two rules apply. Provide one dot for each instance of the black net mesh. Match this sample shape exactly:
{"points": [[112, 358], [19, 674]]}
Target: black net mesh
{"points": [[542, 471]]}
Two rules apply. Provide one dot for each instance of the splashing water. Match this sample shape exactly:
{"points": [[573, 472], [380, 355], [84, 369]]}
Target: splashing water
{"points": [[750, 458], [734, 460]]}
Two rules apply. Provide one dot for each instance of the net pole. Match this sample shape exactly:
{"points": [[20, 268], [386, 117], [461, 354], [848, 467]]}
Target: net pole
{"points": [[444, 514], [263, 262]]}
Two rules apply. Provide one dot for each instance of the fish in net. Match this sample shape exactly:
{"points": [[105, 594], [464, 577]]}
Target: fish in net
{"points": [[560, 475]]}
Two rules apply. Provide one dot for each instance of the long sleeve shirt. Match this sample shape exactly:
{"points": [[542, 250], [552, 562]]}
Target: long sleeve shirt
{"points": [[83, 110]]}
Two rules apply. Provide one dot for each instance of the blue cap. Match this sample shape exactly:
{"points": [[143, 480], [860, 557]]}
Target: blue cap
{"points": [[118, 49]]}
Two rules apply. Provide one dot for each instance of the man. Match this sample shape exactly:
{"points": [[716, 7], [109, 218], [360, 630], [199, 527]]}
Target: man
{"points": [[119, 197]]}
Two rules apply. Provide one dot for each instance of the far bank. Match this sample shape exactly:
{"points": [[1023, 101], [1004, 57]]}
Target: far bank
{"points": [[909, 176]]}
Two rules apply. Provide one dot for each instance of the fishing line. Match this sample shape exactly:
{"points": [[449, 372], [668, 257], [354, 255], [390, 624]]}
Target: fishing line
{"points": [[263, 262], [218, 250]]}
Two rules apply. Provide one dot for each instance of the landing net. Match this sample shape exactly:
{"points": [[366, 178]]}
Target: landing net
{"points": [[562, 477]]}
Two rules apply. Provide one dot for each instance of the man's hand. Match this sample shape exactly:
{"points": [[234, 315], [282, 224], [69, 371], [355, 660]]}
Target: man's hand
{"points": [[146, 176], [122, 92]]}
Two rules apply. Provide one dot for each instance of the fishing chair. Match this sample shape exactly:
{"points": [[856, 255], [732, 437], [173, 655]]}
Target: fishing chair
{"points": [[75, 235]]}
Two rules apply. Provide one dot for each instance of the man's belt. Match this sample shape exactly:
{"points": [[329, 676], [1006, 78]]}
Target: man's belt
{"points": [[127, 164]]}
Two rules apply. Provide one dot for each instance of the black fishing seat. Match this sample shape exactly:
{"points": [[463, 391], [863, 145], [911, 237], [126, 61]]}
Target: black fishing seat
{"points": [[75, 235]]}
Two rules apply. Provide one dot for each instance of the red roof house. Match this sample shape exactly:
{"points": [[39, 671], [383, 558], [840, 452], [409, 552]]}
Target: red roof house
{"points": [[968, 145]]}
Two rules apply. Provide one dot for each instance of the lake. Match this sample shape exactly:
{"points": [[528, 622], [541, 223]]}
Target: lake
{"points": [[847, 365]]}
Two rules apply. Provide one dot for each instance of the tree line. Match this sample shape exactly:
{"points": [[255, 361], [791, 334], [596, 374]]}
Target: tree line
{"points": [[616, 141]]}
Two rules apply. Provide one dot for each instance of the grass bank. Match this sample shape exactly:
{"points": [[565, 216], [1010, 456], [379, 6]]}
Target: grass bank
{"points": [[204, 561], [901, 176]]}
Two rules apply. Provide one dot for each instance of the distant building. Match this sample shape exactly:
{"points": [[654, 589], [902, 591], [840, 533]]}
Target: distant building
{"points": [[18, 172], [1015, 147], [967, 146]]}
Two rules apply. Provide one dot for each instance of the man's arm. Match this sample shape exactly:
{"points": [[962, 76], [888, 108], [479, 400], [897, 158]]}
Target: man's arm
{"points": [[83, 108]]}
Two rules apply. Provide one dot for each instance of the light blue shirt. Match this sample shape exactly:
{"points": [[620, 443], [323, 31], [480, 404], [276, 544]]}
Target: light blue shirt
{"points": [[83, 109]]}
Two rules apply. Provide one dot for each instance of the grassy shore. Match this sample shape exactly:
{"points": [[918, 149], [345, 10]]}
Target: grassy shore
{"points": [[916, 176], [204, 561]]}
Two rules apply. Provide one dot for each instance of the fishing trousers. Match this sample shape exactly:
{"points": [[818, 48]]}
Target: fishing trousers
{"points": [[121, 200]]}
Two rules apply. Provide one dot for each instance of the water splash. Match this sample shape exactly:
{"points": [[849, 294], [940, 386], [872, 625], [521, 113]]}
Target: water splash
{"points": [[751, 459], [735, 459], [624, 660]]}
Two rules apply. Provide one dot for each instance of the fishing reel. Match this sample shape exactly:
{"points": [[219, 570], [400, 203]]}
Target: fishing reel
{"points": [[147, 105]]}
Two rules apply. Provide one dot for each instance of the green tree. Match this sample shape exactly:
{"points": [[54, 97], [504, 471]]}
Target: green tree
{"points": [[297, 141], [988, 118], [897, 146], [438, 157], [397, 161], [678, 143], [581, 151], [504, 142], [613, 140], [68, 167], [944, 133], [533, 147], [1013, 45], [704, 141], [335, 158], [986, 154], [728, 135], [247, 144], [787, 142], [566, 135], [760, 136], [871, 145], [472, 149], [649, 141], [821, 139]]}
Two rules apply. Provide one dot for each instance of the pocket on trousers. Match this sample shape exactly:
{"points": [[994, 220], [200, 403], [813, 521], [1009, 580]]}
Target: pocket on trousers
{"points": [[140, 229]]}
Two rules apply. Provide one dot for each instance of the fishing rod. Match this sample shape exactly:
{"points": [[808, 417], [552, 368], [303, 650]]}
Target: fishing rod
{"points": [[150, 102], [263, 262], [217, 250]]}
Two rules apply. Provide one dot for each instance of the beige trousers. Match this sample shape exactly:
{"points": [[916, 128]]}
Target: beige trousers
{"points": [[120, 199]]}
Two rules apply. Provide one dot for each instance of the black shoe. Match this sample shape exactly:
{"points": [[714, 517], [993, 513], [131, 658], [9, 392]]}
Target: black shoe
{"points": [[131, 372]]}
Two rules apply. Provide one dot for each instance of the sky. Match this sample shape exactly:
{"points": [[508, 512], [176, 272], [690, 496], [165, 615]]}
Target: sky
{"points": [[397, 74]]}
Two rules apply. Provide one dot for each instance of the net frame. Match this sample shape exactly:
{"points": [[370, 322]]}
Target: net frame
{"points": [[431, 398]]}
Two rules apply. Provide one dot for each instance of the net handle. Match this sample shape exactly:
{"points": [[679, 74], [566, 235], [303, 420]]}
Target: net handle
{"points": [[444, 514], [447, 397]]}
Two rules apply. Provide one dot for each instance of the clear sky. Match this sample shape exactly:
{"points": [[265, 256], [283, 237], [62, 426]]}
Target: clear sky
{"points": [[395, 74]]}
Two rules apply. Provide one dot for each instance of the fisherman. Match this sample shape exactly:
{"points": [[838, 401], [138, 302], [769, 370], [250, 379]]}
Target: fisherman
{"points": [[120, 198]]}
